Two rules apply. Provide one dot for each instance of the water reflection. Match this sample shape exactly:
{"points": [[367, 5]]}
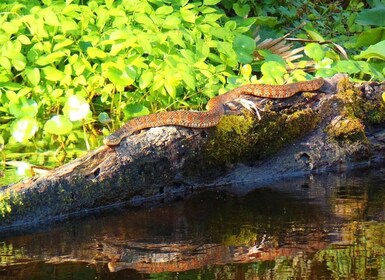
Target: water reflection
{"points": [[329, 227]]}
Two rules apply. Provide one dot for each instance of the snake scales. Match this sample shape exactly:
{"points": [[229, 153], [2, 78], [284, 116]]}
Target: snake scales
{"points": [[214, 109]]}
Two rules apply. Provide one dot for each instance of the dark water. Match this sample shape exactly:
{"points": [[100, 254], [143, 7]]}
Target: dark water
{"points": [[329, 227]]}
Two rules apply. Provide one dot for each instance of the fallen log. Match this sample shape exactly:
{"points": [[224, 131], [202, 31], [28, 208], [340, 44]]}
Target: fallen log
{"points": [[337, 128]]}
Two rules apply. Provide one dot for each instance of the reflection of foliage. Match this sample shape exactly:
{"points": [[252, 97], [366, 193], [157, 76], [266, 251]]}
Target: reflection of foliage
{"points": [[244, 237], [361, 252]]}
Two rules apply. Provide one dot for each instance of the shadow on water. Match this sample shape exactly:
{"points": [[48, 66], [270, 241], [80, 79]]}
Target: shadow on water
{"points": [[326, 227]]}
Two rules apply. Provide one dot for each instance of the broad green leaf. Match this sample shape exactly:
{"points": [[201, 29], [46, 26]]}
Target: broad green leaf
{"points": [[188, 75], [242, 10], [11, 85], [266, 20], [373, 16], [135, 110], [10, 28], [24, 39], [145, 79], [50, 58], [273, 69], [5, 63], [188, 15], [164, 10], [171, 22], [18, 60], [12, 96], [374, 51], [96, 53], [104, 118], [344, 66], [24, 129], [23, 108], [50, 18], [62, 44], [53, 74], [58, 125], [244, 47], [211, 2], [315, 51], [33, 75], [120, 77], [370, 37], [76, 108]]}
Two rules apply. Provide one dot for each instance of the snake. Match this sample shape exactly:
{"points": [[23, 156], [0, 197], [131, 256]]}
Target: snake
{"points": [[214, 109]]}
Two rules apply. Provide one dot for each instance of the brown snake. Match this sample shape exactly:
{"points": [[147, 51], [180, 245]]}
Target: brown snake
{"points": [[214, 109]]}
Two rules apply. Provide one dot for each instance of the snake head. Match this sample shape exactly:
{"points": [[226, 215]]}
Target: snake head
{"points": [[112, 140]]}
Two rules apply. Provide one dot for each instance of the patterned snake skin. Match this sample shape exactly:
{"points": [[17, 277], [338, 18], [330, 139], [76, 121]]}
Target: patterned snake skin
{"points": [[214, 109]]}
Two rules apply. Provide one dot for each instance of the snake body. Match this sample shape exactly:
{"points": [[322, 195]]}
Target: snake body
{"points": [[214, 109]]}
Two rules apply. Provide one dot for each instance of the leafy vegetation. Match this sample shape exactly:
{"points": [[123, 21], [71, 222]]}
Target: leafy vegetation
{"points": [[73, 71]]}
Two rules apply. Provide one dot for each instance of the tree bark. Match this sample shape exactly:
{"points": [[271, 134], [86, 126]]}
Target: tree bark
{"points": [[338, 128]]}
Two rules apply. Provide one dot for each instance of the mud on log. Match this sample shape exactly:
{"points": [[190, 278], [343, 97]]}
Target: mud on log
{"points": [[341, 126]]}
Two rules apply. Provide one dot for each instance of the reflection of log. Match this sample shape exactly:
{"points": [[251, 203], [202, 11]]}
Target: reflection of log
{"points": [[155, 258], [167, 161]]}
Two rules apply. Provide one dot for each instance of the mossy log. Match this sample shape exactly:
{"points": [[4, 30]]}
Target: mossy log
{"points": [[341, 126]]}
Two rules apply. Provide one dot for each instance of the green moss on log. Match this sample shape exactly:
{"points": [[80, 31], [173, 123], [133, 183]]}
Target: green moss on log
{"points": [[247, 138]]}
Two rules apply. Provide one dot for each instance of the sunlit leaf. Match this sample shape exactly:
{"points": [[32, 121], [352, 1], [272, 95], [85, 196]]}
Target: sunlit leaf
{"points": [[211, 2], [33, 75], [52, 74], [24, 39], [76, 108], [96, 53], [50, 58], [315, 51], [24, 129], [58, 125], [145, 79], [23, 108], [374, 51]]}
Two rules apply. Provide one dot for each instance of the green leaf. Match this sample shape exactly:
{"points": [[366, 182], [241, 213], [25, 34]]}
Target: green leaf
{"points": [[164, 10], [373, 16], [374, 51], [58, 125], [10, 27], [96, 53], [12, 96], [24, 129], [145, 79], [24, 39], [315, 51], [52, 74], [33, 75], [104, 118], [135, 110], [5, 63], [210, 2], [241, 10], [171, 22], [273, 71], [120, 77], [50, 18], [188, 15], [50, 58], [76, 108], [267, 21], [24, 108], [244, 47], [62, 44], [344, 66], [370, 37]]}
